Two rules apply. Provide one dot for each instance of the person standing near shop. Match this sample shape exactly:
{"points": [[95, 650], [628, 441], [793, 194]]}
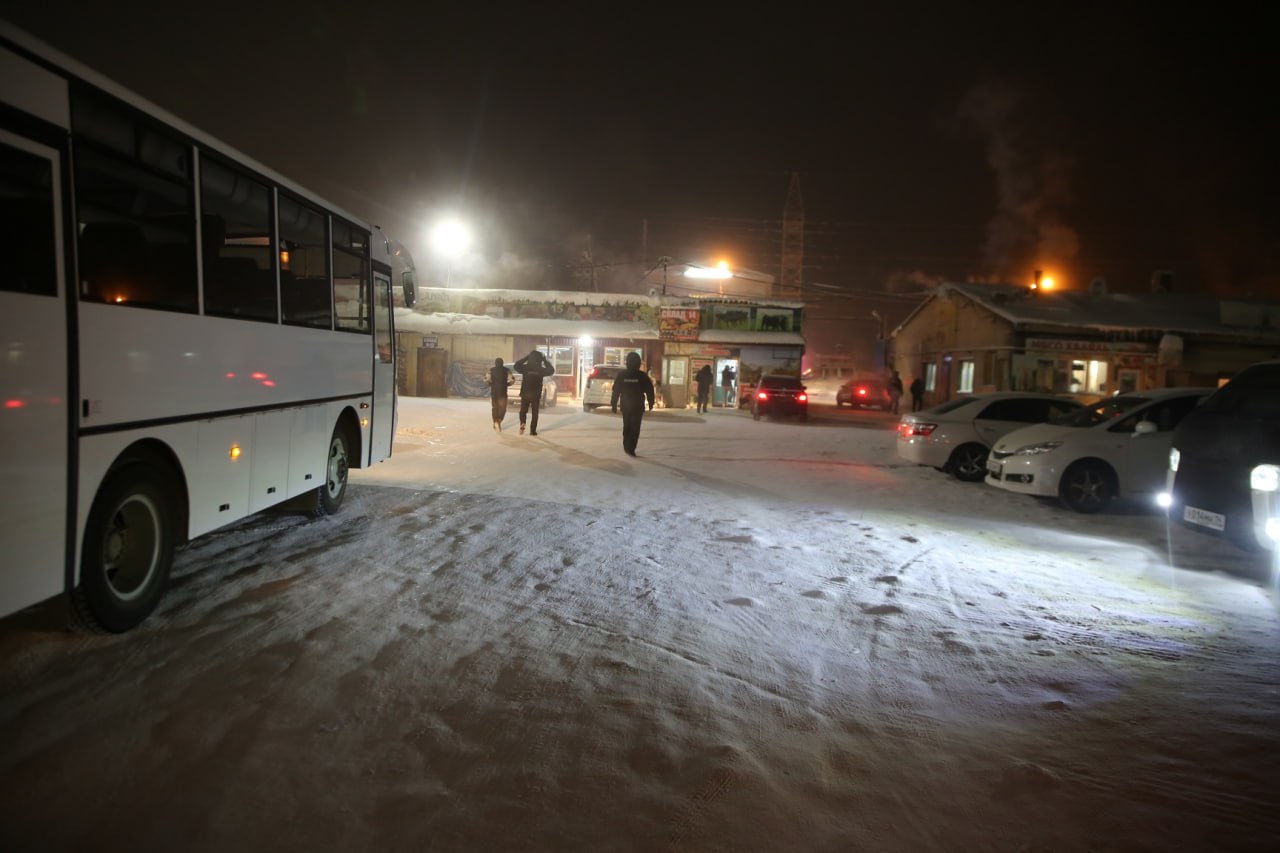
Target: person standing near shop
{"points": [[917, 394], [705, 379], [728, 378], [895, 391], [631, 388], [532, 368], [499, 379]]}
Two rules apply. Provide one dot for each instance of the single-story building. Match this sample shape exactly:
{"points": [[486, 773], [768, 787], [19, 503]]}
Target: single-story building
{"points": [[452, 335], [972, 337]]}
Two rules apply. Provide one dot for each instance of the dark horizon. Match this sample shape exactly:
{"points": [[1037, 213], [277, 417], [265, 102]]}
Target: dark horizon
{"points": [[953, 145]]}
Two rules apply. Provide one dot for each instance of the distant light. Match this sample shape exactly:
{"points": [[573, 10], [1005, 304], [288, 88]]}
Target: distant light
{"points": [[1046, 284], [585, 341], [15, 404], [719, 272], [257, 376]]}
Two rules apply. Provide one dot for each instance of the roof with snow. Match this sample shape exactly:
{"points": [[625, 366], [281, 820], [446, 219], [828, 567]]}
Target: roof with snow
{"points": [[1132, 312], [442, 323]]}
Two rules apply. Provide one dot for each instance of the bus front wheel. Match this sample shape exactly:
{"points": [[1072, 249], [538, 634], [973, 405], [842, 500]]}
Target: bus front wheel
{"points": [[128, 550]]}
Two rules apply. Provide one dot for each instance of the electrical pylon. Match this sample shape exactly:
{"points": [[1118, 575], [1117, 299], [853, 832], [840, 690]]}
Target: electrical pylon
{"points": [[788, 286]]}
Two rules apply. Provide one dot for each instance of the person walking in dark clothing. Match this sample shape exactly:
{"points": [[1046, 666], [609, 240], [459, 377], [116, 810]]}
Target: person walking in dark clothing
{"points": [[705, 379], [917, 394], [728, 379], [632, 387], [532, 368], [499, 378], [895, 391]]}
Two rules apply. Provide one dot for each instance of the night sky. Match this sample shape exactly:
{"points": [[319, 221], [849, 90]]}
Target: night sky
{"points": [[980, 142]]}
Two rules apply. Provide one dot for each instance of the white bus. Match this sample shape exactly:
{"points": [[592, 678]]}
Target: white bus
{"points": [[189, 338]]}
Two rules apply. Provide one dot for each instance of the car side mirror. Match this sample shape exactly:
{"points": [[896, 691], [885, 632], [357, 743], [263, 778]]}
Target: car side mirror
{"points": [[1144, 427]]}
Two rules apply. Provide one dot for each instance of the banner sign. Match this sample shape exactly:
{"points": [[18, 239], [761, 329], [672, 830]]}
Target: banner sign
{"points": [[678, 324]]}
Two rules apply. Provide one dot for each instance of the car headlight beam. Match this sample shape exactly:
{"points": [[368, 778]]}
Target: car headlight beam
{"points": [[1265, 478], [1175, 456]]}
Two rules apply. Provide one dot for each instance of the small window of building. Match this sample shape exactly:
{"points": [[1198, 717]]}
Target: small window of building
{"points": [[561, 357], [965, 385], [931, 377]]}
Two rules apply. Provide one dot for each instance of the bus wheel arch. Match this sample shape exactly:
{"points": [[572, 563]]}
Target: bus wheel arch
{"points": [[130, 538]]}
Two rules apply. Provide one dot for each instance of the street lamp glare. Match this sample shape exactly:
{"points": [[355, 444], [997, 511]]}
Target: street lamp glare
{"points": [[450, 238]]}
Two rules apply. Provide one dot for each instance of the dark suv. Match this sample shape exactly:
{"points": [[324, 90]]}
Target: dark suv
{"points": [[1225, 461], [780, 395]]}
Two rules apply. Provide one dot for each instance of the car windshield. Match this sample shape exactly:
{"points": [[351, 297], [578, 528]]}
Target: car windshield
{"points": [[780, 382], [607, 372], [1102, 411]]}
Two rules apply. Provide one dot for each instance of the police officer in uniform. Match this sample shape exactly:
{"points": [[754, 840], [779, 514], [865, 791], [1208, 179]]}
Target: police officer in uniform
{"points": [[632, 388]]}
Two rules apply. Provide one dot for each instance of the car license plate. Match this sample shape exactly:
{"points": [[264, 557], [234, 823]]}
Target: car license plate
{"points": [[1204, 518], [994, 466]]}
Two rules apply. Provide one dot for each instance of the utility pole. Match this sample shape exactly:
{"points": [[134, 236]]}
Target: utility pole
{"points": [[664, 260]]}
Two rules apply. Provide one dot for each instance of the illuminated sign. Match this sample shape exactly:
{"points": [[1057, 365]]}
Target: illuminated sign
{"points": [[678, 324]]}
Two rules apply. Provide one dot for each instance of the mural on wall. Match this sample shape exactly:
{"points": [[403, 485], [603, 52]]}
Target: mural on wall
{"points": [[774, 319]]}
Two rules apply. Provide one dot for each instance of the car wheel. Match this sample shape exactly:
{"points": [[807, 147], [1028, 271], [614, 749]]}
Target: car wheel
{"points": [[128, 550], [1087, 487], [968, 463]]}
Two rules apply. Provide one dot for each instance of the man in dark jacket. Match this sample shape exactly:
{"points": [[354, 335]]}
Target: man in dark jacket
{"points": [[498, 379], [632, 387], [532, 368], [705, 379]]}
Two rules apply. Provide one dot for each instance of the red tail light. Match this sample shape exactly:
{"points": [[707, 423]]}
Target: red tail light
{"points": [[861, 392], [802, 398], [906, 429], [762, 395]]}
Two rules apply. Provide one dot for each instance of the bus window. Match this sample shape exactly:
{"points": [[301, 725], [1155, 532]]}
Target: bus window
{"points": [[26, 223], [236, 244], [350, 277], [305, 295], [134, 209]]}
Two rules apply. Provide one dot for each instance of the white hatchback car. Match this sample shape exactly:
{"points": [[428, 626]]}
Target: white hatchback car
{"points": [[956, 435], [599, 390], [1117, 447]]}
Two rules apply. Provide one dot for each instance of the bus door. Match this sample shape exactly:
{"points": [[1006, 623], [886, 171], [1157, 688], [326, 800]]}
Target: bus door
{"points": [[382, 427], [34, 382]]}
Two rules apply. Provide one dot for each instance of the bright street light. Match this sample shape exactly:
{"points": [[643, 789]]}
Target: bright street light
{"points": [[450, 238]]}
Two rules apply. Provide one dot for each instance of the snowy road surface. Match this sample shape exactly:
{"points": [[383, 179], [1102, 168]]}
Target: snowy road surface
{"points": [[755, 636]]}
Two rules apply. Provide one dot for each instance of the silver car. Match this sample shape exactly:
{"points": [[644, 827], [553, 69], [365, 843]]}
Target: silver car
{"points": [[957, 435], [599, 390]]}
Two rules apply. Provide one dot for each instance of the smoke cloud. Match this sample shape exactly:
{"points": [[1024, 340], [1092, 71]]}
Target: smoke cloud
{"points": [[1033, 182]]}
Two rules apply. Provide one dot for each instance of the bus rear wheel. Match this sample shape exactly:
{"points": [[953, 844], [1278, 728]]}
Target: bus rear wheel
{"points": [[127, 552]]}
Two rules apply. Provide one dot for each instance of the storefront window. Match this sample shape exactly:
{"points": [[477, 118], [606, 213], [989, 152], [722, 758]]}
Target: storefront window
{"points": [[561, 357], [617, 355], [966, 377], [1088, 377]]}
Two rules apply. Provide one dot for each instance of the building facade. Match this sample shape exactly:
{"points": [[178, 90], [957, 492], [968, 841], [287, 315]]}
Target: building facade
{"points": [[969, 338], [452, 336]]}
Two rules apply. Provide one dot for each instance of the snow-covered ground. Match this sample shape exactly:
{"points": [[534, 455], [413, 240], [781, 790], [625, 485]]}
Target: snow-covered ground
{"points": [[755, 636]]}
